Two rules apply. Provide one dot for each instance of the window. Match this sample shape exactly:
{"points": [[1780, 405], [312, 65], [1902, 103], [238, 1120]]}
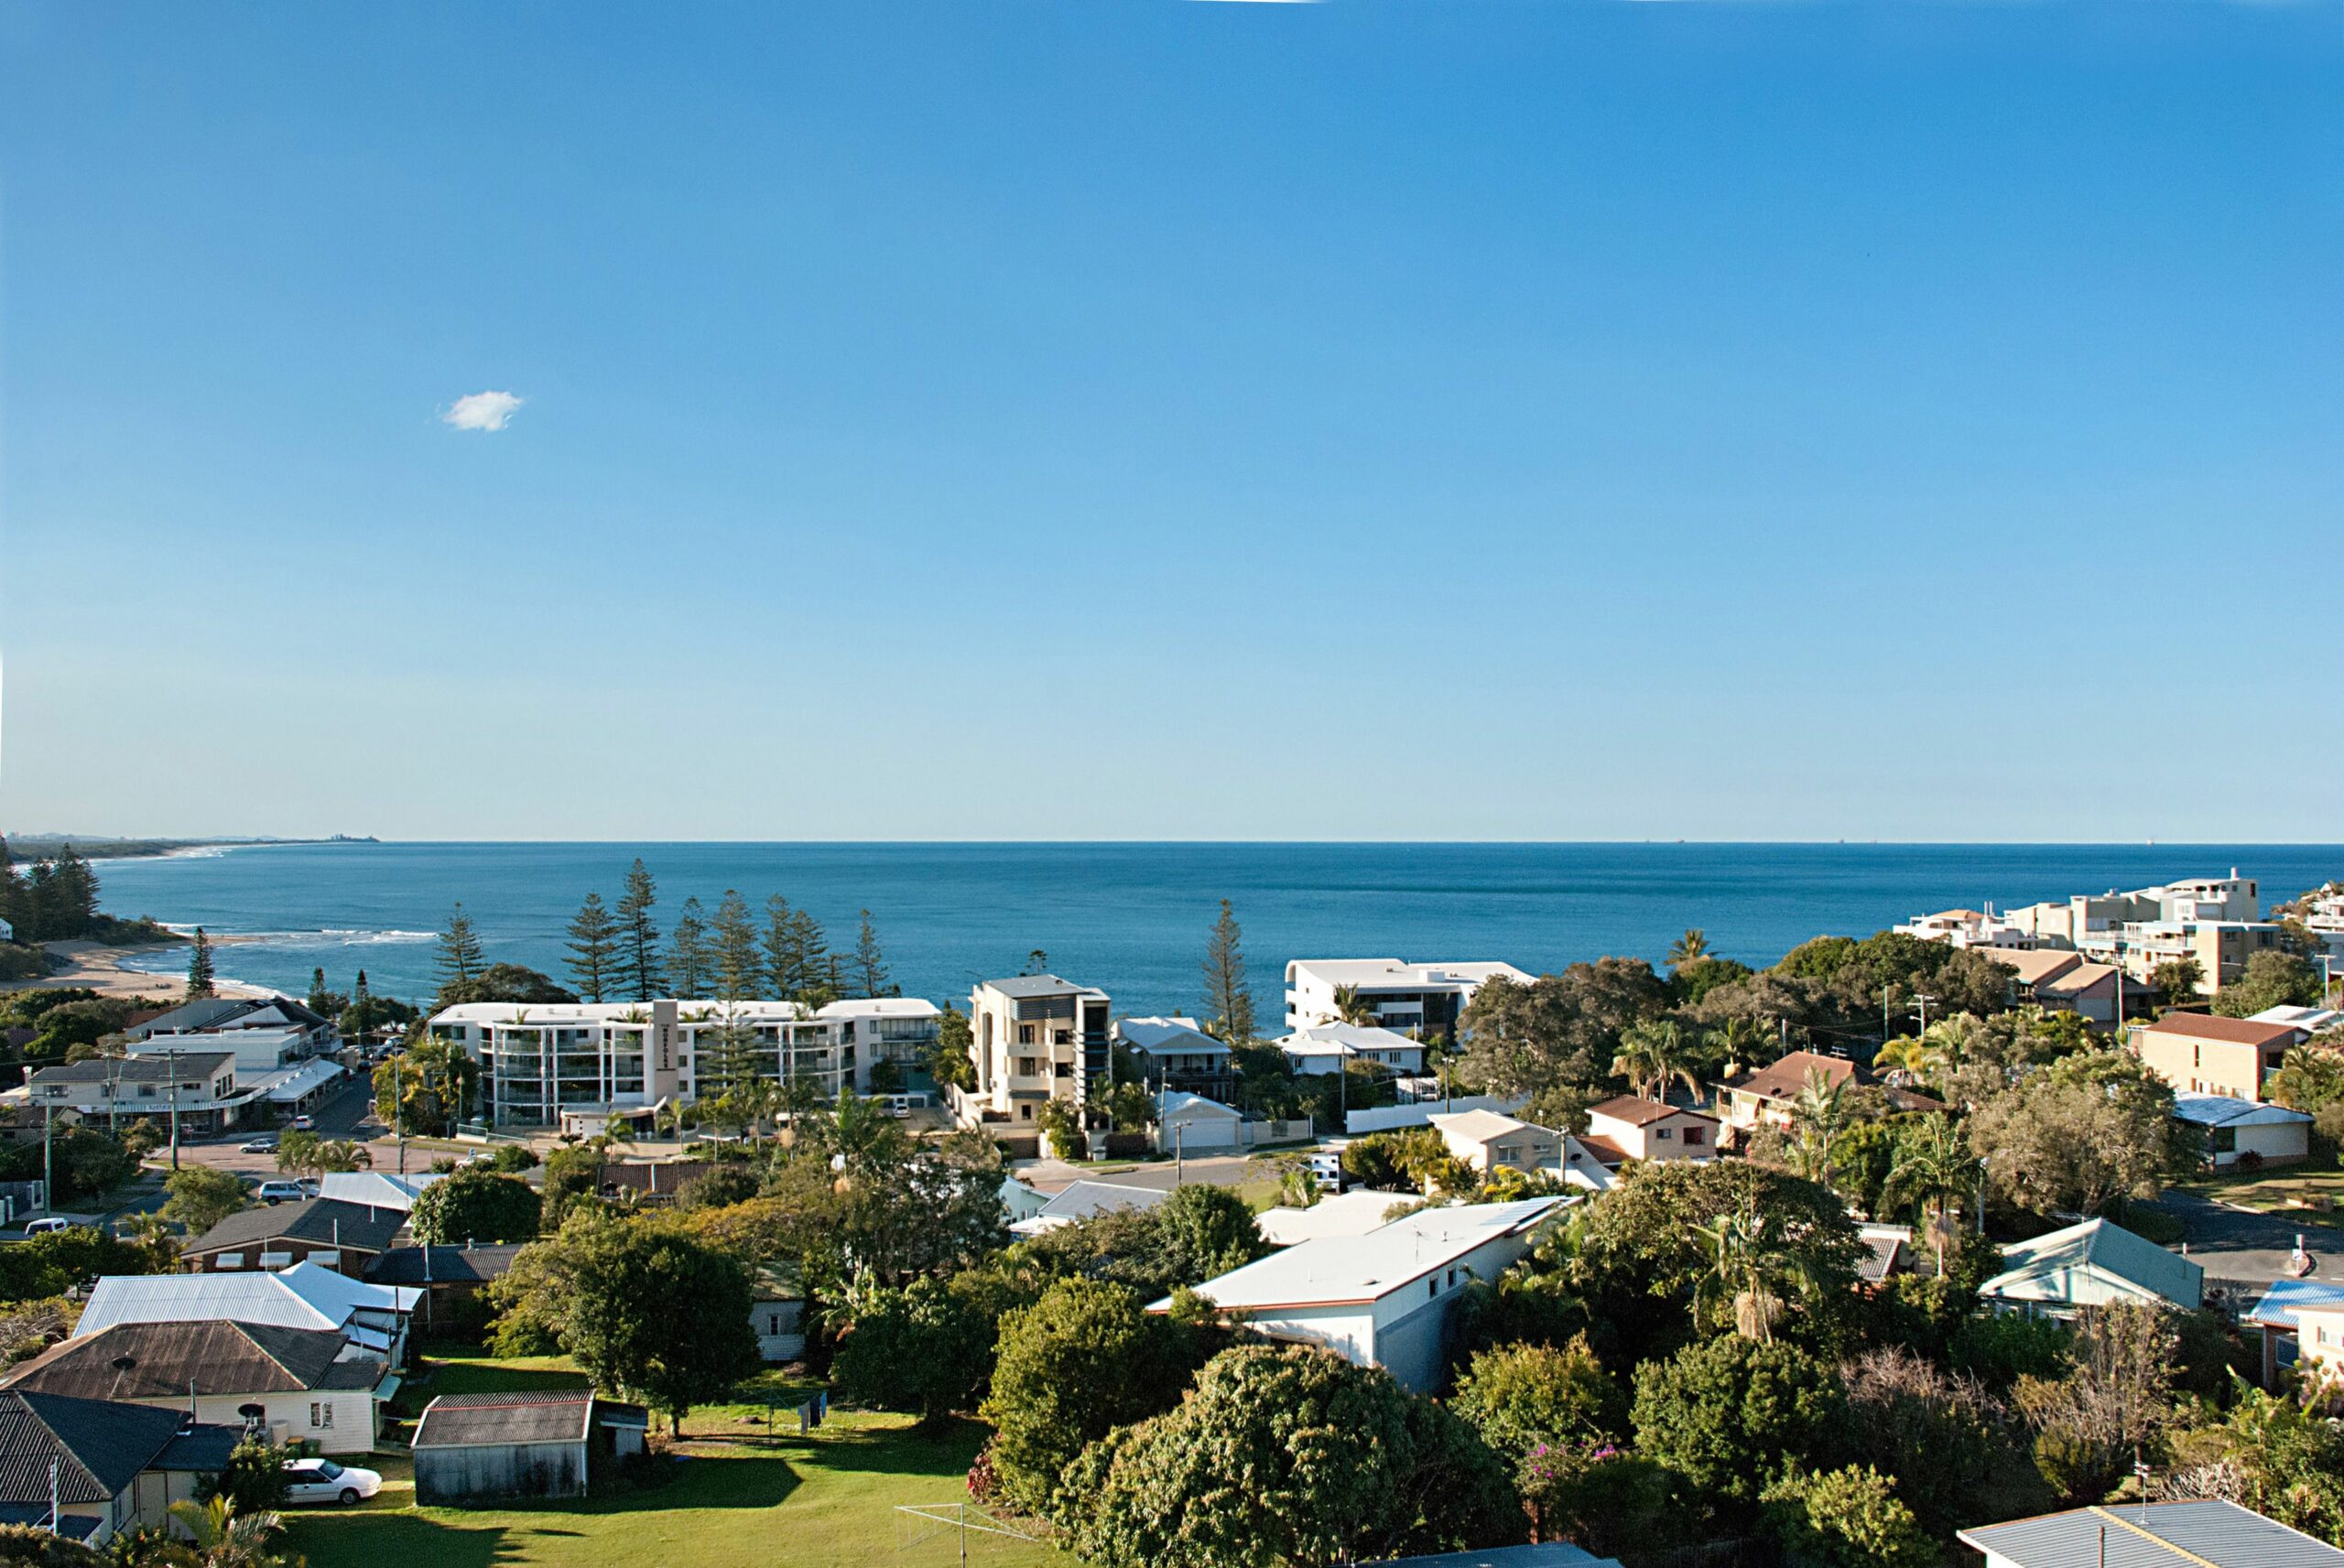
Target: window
{"points": [[1024, 1034], [1663, 1134], [321, 1414], [1432, 1287], [1693, 1137]]}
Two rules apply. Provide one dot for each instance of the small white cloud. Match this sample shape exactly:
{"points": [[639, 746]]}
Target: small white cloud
{"points": [[481, 411]]}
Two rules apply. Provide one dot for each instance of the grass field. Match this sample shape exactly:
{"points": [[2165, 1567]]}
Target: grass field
{"points": [[737, 1499], [2277, 1191]]}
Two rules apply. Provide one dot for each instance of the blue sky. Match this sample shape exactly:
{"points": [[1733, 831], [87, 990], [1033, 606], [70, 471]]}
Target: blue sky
{"points": [[1370, 419]]}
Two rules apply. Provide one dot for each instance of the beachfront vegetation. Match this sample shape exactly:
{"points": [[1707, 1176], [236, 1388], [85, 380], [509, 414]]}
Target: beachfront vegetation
{"points": [[56, 900]]}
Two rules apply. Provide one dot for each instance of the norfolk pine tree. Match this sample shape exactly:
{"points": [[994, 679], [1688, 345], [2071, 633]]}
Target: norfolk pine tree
{"points": [[459, 955], [199, 969], [594, 948], [870, 969], [638, 965], [729, 1058], [688, 951], [1228, 1005]]}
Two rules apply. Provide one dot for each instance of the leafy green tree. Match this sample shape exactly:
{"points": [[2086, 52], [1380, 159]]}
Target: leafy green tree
{"points": [[502, 982], [2079, 1135], [254, 1481], [476, 1206], [1848, 1518], [870, 967], [640, 971], [1560, 1029], [1228, 1002], [952, 1064], [201, 1197], [1729, 1414], [424, 1090], [688, 957], [2178, 980], [2272, 977], [1207, 1231], [459, 958], [816, 983], [36, 1546], [223, 1536], [1284, 1454], [918, 1347], [659, 1315], [594, 948], [1522, 1397], [1083, 1359], [199, 982], [571, 1177], [784, 954]]}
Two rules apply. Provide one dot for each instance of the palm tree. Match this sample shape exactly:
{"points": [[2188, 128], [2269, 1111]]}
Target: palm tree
{"points": [[1819, 1119], [1352, 1008], [223, 1537], [1934, 1165], [1743, 1266], [1691, 947], [1956, 1039], [1740, 1039], [1906, 1059], [1652, 1053], [343, 1154]]}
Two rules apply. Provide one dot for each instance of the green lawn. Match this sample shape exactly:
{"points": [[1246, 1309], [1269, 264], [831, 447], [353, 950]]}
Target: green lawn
{"points": [[2278, 1191], [737, 1501]]}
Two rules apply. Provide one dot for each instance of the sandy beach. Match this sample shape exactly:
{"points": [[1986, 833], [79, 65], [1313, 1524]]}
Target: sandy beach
{"points": [[99, 969]]}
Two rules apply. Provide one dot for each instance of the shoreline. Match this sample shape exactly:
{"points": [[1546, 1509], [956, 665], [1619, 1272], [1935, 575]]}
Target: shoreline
{"points": [[96, 967]]}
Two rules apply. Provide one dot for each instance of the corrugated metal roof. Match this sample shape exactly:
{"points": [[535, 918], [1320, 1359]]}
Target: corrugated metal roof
{"points": [[165, 1358], [2110, 1249], [2285, 1297], [98, 1448], [327, 1222], [2155, 1535], [490, 1420]]}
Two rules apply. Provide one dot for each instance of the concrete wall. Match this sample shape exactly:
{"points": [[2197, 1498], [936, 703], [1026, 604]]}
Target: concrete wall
{"points": [[1385, 1116]]}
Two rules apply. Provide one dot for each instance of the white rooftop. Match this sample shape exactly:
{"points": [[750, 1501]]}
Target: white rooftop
{"points": [[288, 1084], [307, 1296], [2222, 1110], [1477, 1126], [759, 1010], [376, 1189], [1180, 1102], [1175, 1035], [1344, 1040], [2312, 1020], [1345, 1213], [1357, 1269], [1396, 974]]}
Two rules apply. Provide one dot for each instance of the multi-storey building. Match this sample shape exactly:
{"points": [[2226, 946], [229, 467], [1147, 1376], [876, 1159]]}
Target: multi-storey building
{"points": [[1421, 1000], [1036, 1038], [541, 1063]]}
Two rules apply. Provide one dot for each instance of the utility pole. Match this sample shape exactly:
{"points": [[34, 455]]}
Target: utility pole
{"points": [[1924, 999], [1887, 1027], [172, 1056], [47, 1162], [398, 1108]]}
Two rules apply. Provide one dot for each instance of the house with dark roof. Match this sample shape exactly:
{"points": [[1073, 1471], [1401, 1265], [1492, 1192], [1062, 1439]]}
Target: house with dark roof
{"points": [[547, 1444], [446, 1276], [2198, 1054], [1764, 1097], [96, 1468], [345, 1237], [198, 1087], [306, 1383]]}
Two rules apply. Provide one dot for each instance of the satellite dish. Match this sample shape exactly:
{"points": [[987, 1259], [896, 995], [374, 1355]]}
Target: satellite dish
{"points": [[252, 1413], [124, 1363]]}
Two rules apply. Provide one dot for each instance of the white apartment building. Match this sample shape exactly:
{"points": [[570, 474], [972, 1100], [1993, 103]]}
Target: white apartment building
{"points": [[1421, 1000], [1969, 928], [1036, 1038], [2215, 920], [542, 1061]]}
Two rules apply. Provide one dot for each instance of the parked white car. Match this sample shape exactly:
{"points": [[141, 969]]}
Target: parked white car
{"points": [[46, 1226], [323, 1481], [281, 1192]]}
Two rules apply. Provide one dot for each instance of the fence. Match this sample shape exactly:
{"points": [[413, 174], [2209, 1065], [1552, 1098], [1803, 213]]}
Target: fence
{"points": [[1384, 1118]]}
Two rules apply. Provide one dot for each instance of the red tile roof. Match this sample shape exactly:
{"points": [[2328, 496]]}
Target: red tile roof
{"points": [[2228, 1031]]}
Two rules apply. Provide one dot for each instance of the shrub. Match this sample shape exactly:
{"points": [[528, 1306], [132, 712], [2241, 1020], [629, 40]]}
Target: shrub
{"points": [[1729, 1414], [1848, 1518]]}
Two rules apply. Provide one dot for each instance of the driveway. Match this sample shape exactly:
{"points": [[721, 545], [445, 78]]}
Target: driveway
{"points": [[1219, 1169], [2245, 1251]]}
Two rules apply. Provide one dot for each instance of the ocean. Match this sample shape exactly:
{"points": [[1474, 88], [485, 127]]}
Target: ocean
{"points": [[1130, 918]]}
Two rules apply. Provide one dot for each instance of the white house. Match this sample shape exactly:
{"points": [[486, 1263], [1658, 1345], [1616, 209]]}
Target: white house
{"points": [[1172, 1048], [1382, 1299], [1326, 1047], [1488, 1141], [2092, 1264], [312, 1384], [199, 1086], [1190, 1124], [1084, 1200], [1344, 1213], [373, 1318], [2231, 1128], [376, 1189], [1423, 999]]}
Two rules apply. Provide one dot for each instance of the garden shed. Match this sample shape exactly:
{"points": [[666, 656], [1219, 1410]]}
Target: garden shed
{"points": [[547, 1444]]}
